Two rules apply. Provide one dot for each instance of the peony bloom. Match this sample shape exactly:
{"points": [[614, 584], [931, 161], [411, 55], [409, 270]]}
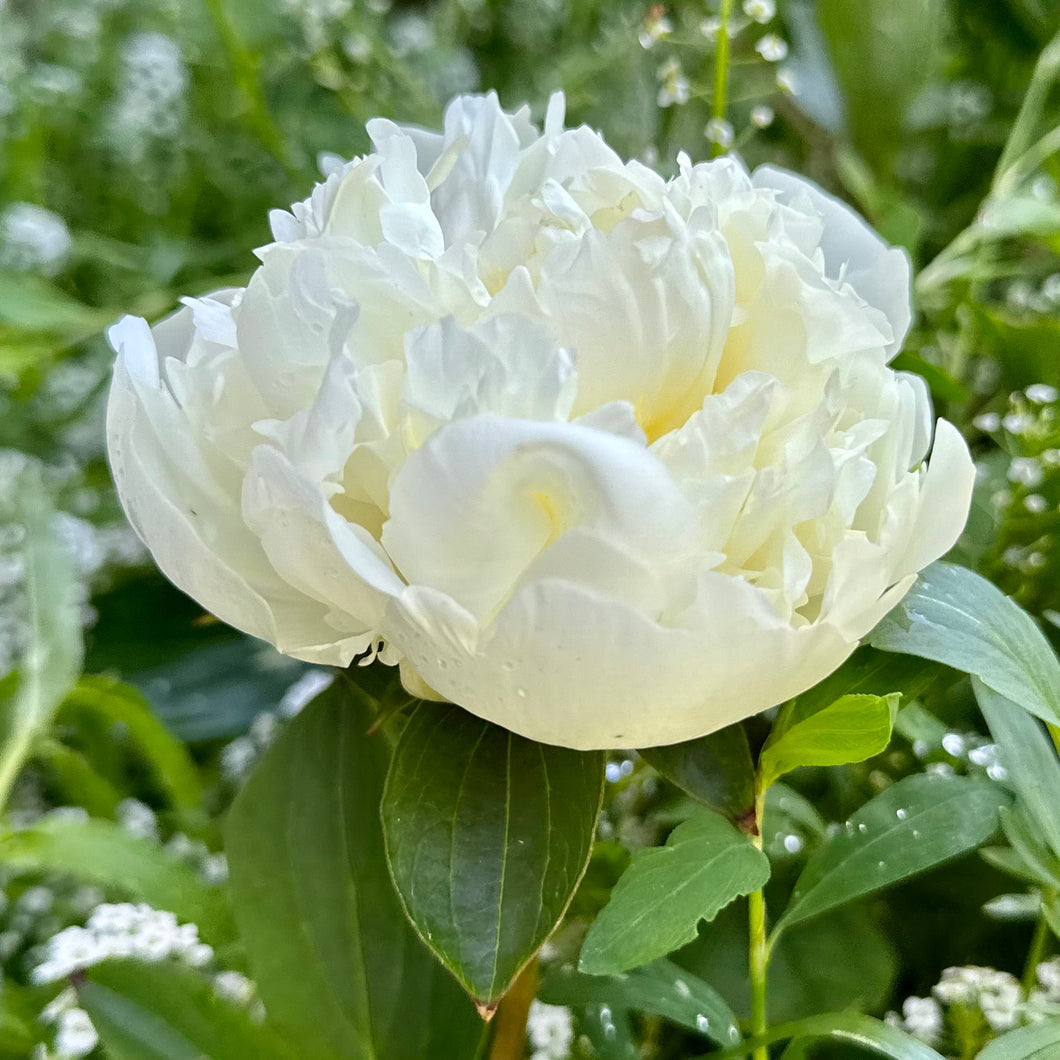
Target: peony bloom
{"points": [[606, 459]]}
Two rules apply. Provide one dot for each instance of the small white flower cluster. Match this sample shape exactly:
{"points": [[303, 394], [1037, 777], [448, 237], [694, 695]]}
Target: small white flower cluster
{"points": [[656, 27], [1043, 1002], [212, 867], [921, 1017], [674, 86], [998, 995], [153, 83], [239, 756], [317, 19], [33, 239], [550, 1031], [121, 930], [75, 1035], [137, 818], [969, 102]]}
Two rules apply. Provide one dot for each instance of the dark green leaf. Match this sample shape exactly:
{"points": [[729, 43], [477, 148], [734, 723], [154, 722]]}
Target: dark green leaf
{"points": [[164, 1011], [715, 769], [909, 828], [851, 1027], [103, 853], [216, 690], [659, 989], [664, 894], [1028, 757], [488, 835], [956, 617], [339, 968], [849, 730]]}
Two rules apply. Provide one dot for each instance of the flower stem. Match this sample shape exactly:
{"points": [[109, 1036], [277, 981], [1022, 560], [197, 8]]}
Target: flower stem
{"points": [[721, 70], [758, 951], [509, 1027], [1036, 953]]}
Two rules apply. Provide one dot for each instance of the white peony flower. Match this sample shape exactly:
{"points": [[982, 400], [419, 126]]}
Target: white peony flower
{"points": [[607, 459]]}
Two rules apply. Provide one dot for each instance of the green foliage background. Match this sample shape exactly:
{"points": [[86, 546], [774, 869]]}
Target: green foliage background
{"points": [[160, 132]]}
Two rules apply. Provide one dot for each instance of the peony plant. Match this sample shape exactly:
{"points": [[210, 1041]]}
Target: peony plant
{"points": [[547, 455]]}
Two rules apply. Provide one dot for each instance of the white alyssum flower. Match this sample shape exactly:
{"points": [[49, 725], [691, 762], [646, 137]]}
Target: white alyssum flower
{"points": [[75, 1036], [609, 460], [550, 1031], [32, 237], [121, 930], [998, 995], [921, 1017]]}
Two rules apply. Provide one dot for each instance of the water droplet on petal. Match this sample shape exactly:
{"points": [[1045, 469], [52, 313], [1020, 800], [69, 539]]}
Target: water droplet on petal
{"points": [[901, 814], [702, 1023]]}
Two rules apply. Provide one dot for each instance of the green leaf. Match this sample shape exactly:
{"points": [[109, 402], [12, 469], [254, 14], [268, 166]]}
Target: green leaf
{"points": [[912, 826], [339, 968], [716, 769], [215, 690], [488, 835], [53, 657], [851, 1027], [1033, 855], [103, 853], [168, 758], [1036, 1042], [164, 1011], [664, 894], [849, 730], [609, 1033], [866, 673], [1029, 759], [956, 617], [31, 303], [659, 989]]}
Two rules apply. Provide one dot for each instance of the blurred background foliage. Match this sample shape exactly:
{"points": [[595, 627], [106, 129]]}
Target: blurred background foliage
{"points": [[142, 144]]}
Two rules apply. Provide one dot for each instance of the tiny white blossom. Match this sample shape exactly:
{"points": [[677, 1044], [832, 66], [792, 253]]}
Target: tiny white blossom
{"points": [[1026, 471], [720, 132], [234, 986], [987, 422], [760, 10], [32, 237], [76, 1036], [138, 819], [762, 116], [922, 1018], [550, 1030], [656, 27], [1042, 393], [787, 81], [772, 48]]}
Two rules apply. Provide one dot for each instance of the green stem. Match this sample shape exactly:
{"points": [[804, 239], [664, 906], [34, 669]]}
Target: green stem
{"points": [[758, 951], [509, 1027], [721, 71], [1036, 954]]}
